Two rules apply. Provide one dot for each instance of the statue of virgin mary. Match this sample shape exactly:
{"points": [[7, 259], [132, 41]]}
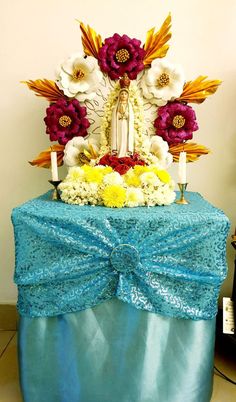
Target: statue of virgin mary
{"points": [[122, 126]]}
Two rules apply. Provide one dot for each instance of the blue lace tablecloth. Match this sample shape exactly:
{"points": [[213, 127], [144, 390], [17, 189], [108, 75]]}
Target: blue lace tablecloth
{"points": [[166, 260]]}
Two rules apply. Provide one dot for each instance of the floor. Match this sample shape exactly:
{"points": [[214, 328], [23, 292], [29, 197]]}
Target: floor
{"points": [[10, 391]]}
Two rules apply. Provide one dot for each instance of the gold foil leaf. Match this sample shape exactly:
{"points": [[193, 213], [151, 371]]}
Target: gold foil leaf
{"points": [[45, 88], [87, 155], [193, 151], [198, 90], [92, 151], [155, 45], [44, 158], [91, 41]]}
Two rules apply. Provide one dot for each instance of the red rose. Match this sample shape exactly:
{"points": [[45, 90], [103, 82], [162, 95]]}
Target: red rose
{"points": [[114, 159], [121, 165], [105, 160], [126, 161], [131, 163], [140, 163], [122, 169], [135, 157], [114, 165]]}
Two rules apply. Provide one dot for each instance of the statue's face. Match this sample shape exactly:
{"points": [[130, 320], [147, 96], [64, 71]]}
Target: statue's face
{"points": [[124, 96]]}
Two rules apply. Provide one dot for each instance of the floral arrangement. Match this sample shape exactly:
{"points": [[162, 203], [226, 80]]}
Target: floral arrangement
{"points": [[96, 175], [101, 185]]}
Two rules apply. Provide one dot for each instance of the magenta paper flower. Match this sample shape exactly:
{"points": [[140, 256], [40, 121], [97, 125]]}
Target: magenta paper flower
{"points": [[175, 122], [65, 120], [120, 55]]}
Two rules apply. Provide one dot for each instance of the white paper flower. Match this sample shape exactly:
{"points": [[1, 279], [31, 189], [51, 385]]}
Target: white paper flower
{"points": [[162, 82], [74, 150], [79, 77], [160, 149], [112, 178]]}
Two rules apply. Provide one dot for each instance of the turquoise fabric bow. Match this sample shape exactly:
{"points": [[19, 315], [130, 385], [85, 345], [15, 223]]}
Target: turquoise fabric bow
{"points": [[167, 260]]}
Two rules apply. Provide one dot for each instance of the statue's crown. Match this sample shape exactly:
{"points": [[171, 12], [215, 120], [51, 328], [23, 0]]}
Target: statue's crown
{"points": [[125, 81]]}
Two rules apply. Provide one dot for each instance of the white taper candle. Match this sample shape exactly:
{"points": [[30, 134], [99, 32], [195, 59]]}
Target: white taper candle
{"points": [[182, 168], [54, 166]]}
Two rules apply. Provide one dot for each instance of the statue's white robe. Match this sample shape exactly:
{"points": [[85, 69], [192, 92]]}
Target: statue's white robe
{"points": [[122, 131]]}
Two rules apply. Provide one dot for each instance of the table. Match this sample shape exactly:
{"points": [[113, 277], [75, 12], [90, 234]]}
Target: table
{"points": [[118, 305]]}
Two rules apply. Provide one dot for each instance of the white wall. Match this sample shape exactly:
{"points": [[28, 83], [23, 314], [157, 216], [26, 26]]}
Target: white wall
{"points": [[36, 35]]}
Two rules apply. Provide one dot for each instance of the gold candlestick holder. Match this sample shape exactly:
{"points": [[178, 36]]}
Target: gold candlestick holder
{"points": [[182, 200], [55, 192]]}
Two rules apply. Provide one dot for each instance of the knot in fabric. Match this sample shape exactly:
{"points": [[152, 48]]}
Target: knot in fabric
{"points": [[124, 258]]}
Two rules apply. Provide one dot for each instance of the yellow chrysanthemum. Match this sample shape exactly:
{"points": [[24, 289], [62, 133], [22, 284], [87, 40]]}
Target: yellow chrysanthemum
{"points": [[138, 170], [94, 175], [164, 176], [107, 169], [114, 196], [154, 169], [132, 179], [86, 168]]}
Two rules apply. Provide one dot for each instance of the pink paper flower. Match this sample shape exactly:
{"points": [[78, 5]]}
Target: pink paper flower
{"points": [[175, 122], [65, 120], [121, 54]]}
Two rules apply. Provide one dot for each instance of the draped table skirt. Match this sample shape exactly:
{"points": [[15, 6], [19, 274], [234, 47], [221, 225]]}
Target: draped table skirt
{"points": [[115, 353]]}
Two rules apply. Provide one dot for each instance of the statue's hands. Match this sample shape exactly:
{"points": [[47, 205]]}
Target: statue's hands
{"points": [[114, 152]]}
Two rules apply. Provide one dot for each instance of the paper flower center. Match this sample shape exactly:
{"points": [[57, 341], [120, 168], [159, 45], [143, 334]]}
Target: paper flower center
{"points": [[78, 74], [178, 121], [163, 80], [82, 159], [65, 121], [122, 55]]}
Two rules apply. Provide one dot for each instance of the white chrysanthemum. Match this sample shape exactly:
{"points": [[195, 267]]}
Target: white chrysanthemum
{"points": [[160, 149], [112, 178], [165, 196], [80, 193], [162, 82], [79, 77], [75, 147], [134, 197], [149, 178]]}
